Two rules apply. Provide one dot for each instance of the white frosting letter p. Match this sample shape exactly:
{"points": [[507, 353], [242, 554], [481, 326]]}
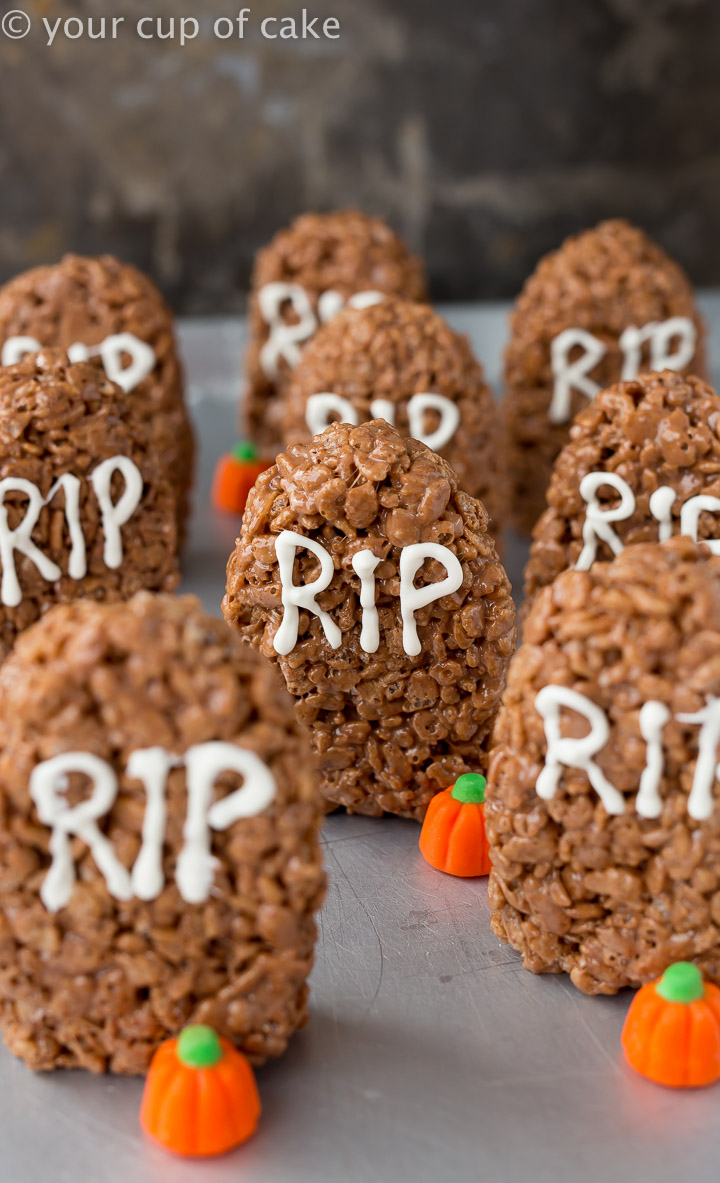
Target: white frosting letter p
{"points": [[413, 598]]}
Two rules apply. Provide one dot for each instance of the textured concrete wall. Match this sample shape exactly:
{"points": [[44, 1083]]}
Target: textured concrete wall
{"points": [[485, 130]]}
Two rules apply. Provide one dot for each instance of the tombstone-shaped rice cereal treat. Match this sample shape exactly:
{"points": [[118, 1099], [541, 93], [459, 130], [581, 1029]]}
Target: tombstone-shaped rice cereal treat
{"points": [[642, 464], [105, 309], [86, 508], [301, 279], [602, 805], [401, 362], [159, 854], [606, 306], [372, 581]]}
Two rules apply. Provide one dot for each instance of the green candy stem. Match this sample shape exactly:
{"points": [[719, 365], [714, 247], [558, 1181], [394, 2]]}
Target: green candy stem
{"points": [[199, 1047], [681, 982], [469, 788], [244, 451]]}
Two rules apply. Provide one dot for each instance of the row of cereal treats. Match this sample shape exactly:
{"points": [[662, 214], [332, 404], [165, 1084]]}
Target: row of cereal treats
{"points": [[96, 449], [160, 799], [339, 329]]}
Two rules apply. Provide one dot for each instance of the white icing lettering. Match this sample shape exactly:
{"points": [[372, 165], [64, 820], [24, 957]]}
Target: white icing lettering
{"points": [[449, 419], [15, 349], [383, 408], [321, 407], [700, 801], [296, 596], [331, 302], [142, 360], [653, 718], [597, 525], [47, 783], [110, 350], [661, 356], [205, 762], [660, 505], [115, 515], [690, 514], [20, 538], [364, 564], [284, 339], [412, 598], [569, 376], [571, 752], [151, 766]]}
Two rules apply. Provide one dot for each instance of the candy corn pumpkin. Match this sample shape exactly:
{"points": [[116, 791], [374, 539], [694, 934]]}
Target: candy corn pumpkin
{"points": [[235, 475], [453, 834], [672, 1030], [200, 1095]]}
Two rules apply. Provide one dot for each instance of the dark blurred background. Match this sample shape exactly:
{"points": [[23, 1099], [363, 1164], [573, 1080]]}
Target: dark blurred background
{"points": [[483, 130]]}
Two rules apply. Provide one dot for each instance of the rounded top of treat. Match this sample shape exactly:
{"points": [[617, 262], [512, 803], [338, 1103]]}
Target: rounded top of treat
{"points": [[61, 416], [364, 479], [613, 600], [45, 385], [345, 251], [681, 982], [391, 350], [154, 670], [85, 299], [660, 431], [602, 280], [391, 353]]}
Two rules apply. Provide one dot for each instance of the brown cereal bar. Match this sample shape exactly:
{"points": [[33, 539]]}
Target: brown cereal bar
{"points": [[61, 425], [99, 982], [612, 898], [89, 300], [605, 281], [344, 252], [393, 722], [658, 433]]}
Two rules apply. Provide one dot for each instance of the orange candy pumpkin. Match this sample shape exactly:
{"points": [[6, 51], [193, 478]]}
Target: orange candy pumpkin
{"points": [[672, 1030], [453, 836], [200, 1095], [235, 475]]}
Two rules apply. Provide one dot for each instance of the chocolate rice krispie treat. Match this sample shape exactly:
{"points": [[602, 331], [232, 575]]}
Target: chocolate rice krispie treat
{"points": [[86, 507], [159, 854], [301, 279], [607, 305], [400, 361], [371, 580], [643, 463], [103, 308], [602, 805]]}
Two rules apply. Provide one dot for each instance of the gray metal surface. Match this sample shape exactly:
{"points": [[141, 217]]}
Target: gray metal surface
{"points": [[431, 1054]]}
